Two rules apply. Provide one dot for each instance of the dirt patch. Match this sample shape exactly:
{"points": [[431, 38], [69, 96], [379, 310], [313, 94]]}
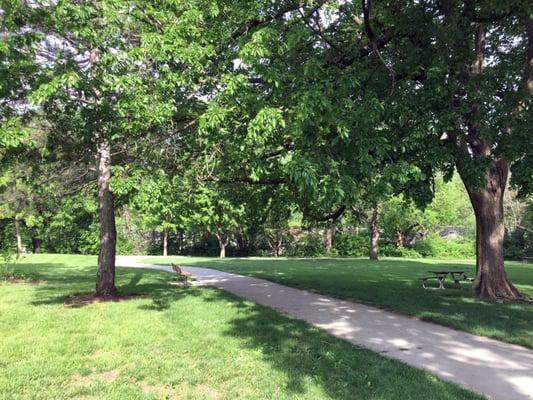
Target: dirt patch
{"points": [[107, 376], [208, 391], [157, 390], [85, 299], [19, 279], [183, 390]]}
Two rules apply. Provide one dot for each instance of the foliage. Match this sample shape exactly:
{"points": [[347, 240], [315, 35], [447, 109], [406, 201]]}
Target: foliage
{"points": [[352, 245], [439, 247], [390, 250], [306, 245]]}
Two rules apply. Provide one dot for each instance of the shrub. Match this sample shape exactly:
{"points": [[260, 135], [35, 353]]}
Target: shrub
{"points": [[351, 245], [389, 250], [310, 245], [436, 246]]}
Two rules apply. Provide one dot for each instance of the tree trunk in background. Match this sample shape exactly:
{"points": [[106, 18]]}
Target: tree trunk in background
{"points": [[165, 242], [19, 237], [105, 275], [222, 243], [35, 244], [491, 280], [399, 240], [374, 236], [329, 233]]}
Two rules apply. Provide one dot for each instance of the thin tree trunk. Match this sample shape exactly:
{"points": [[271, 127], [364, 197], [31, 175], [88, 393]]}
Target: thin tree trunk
{"points": [[222, 243], [399, 240], [491, 280], [19, 237], [374, 236], [105, 276], [329, 233], [165, 242]]}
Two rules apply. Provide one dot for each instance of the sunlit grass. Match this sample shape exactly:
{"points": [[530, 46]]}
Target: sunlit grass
{"points": [[394, 284], [177, 343]]}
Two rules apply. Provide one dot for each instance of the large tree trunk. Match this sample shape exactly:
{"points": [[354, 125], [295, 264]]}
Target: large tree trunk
{"points": [[165, 242], [329, 233], [374, 236], [105, 276], [491, 280], [18, 236]]}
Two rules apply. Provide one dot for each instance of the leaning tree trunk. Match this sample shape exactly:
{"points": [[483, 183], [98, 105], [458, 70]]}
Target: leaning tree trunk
{"points": [[19, 237], [105, 276], [491, 280], [222, 243], [374, 236], [165, 242]]}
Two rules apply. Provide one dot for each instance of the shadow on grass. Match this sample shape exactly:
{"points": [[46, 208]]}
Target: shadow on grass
{"points": [[394, 285], [60, 281], [304, 354], [343, 371]]}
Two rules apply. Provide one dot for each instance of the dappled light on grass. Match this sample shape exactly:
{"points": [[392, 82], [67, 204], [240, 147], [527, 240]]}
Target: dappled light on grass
{"points": [[394, 284], [184, 342]]}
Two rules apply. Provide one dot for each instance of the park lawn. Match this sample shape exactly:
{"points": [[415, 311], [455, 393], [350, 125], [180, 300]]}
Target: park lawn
{"points": [[394, 284], [177, 343]]}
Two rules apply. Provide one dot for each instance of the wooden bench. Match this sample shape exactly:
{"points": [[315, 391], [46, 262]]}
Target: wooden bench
{"points": [[176, 268]]}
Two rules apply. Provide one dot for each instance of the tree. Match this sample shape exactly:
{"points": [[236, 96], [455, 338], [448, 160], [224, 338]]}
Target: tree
{"points": [[107, 81], [466, 70], [159, 201], [216, 211], [409, 84]]}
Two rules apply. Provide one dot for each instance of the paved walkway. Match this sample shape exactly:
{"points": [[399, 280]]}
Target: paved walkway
{"points": [[498, 370]]}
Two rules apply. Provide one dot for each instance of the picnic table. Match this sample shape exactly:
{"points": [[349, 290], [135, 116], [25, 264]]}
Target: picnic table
{"points": [[457, 275]]}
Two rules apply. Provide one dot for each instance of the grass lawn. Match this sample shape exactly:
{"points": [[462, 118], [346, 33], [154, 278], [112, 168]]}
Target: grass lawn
{"points": [[177, 343], [393, 284]]}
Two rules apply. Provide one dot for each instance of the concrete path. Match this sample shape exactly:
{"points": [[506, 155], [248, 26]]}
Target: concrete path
{"points": [[495, 369]]}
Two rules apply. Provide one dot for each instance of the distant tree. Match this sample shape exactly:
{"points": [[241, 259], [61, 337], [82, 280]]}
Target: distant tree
{"points": [[217, 211]]}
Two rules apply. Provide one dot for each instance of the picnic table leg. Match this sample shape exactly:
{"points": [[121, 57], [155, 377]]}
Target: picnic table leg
{"points": [[441, 281]]}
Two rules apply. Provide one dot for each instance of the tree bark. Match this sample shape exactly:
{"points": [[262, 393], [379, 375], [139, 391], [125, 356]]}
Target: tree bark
{"points": [[165, 242], [35, 244], [491, 280], [329, 233], [374, 236], [18, 236], [399, 240], [222, 243], [105, 275]]}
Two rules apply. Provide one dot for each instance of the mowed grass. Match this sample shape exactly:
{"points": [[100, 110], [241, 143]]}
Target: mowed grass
{"points": [[177, 343], [394, 284]]}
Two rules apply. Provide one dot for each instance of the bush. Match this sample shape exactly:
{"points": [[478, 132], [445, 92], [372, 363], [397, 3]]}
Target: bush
{"points": [[438, 247], [310, 245], [89, 240], [389, 250], [517, 245], [350, 245]]}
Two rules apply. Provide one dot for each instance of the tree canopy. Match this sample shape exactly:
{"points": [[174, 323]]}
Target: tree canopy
{"points": [[199, 113]]}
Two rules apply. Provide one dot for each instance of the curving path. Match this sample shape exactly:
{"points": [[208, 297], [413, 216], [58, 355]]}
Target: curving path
{"points": [[498, 370]]}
